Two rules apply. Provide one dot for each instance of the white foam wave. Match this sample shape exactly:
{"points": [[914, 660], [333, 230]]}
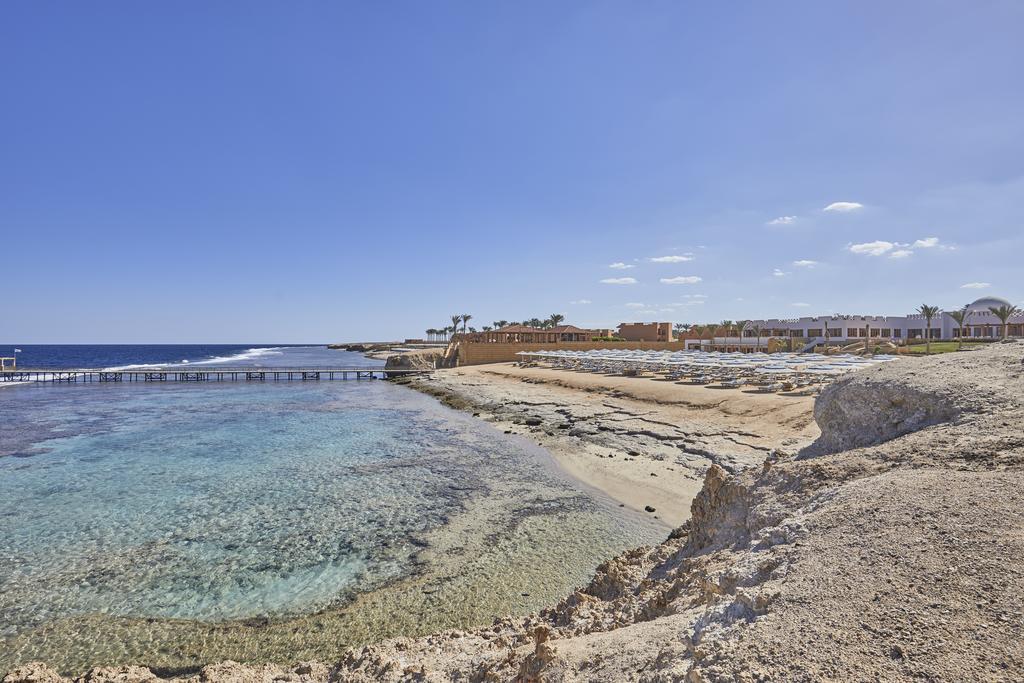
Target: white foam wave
{"points": [[248, 354], [137, 366]]}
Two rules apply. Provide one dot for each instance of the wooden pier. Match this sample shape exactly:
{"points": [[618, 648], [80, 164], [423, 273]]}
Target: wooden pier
{"points": [[201, 374]]}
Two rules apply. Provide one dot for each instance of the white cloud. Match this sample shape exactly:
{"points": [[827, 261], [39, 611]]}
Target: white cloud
{"points": [[578, 302], [800, 304], [843, 207], [805, 263], [695, 296], [976, 285], [672, 259], [636, 305], [779, 273], [619, 281], [782, 220], [876, 248], [681, 280], [897, 250], [932, 243], [619, 265]]}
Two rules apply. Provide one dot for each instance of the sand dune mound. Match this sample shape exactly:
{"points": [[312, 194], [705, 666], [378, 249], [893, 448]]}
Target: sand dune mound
{"points": [[893, 551]]}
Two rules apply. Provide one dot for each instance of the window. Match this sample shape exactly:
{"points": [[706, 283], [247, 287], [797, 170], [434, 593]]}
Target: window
{"points": [[814, 332], [835, 332], [886, 332]]}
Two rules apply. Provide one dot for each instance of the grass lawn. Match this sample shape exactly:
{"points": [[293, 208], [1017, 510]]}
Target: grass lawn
{"points": [[941, 347]]}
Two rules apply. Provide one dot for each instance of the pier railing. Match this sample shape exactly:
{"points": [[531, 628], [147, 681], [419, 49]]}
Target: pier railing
{"points": [[202, 374]]}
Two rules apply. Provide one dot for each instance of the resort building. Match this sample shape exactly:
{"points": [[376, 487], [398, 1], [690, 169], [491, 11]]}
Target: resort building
{"points": [[843, 329], [654, 332]]}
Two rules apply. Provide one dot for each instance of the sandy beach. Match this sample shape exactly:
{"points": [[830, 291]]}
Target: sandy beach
{"points": [[644, 442]]}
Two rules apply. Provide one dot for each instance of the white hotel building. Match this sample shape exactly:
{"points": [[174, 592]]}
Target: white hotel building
{"points": [[843, 329]]}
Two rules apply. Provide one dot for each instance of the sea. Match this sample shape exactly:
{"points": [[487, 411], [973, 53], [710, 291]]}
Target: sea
{"points": [[174, 524]]}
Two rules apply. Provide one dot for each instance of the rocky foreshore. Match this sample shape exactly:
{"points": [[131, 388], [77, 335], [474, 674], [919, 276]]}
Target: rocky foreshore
{"points": [[647, 444], [891, 549]]}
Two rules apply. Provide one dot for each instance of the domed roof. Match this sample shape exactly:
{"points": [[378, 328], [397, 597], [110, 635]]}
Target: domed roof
{"points": [[987, 302]]}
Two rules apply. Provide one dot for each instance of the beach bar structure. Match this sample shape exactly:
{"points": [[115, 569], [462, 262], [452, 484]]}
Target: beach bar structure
{"points": [[8, 364]]}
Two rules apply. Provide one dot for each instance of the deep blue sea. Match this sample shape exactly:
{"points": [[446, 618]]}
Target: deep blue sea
{"points": [[54, 356], [172, 524]]}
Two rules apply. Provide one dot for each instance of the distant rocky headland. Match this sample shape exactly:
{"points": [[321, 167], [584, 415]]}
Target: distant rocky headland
{"points": [[364, 347]]}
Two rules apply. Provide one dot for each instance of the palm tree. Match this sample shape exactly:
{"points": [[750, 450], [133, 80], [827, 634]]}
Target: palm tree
{"points": [[757, 331], [960, 318], [1004, 313], [498, 324], [740, 326], [456, 319], [725, 329], [466, 317], [556, 319], [487, 328], [928, 312]]}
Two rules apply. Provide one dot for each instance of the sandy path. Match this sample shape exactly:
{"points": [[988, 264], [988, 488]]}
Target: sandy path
{"points": [[644, 442]]}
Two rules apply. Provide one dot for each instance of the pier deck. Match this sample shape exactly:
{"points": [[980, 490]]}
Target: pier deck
{"points": [[202, 374]]}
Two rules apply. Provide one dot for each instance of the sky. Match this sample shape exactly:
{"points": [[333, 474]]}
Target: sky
{"points": [[179, 172]]}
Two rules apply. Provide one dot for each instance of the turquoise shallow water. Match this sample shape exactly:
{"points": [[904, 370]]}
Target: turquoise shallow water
{"points": [[283, 498], [177, 524]]}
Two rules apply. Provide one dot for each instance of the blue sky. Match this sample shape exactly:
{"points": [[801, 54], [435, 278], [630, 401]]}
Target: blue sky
{"points": [[320, 171]]}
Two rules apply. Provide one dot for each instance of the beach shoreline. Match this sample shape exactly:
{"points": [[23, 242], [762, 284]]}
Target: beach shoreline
{"points": [[644, 443], [750, 585]]}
